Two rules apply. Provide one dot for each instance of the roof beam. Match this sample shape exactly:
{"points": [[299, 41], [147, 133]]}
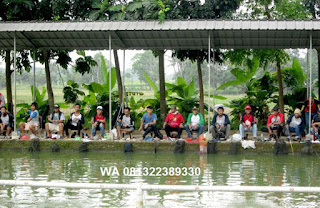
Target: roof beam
{"points": [[26, 38], [118, 37]]}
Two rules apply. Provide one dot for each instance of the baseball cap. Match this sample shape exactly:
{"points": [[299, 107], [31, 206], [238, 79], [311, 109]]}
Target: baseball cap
{"points": [[247, 107], [275, 108], [173, 107], [56, 106], [194, 108], [99, 107]]}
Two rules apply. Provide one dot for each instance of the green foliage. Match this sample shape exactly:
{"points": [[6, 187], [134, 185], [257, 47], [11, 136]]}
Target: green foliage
{"points": [[294, 79], [71, 92], [294, 76], [40, 100], [84, 63], [145, 63], [182, 95], [243, 76], [98, 94], [105, 75], [258, 95]]}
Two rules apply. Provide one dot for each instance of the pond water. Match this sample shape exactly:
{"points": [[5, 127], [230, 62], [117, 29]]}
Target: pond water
{"points": [[231, 170]]}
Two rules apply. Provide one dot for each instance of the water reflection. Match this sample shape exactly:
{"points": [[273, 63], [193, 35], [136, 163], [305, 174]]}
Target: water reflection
{"points": [[232, 170]]}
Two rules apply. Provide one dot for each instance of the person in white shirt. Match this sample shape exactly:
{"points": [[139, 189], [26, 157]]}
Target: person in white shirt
{"points": [[75, 121], [295, 123], [56, 120], [195, 122], [220, 123], [125, 123], [6, 121]]}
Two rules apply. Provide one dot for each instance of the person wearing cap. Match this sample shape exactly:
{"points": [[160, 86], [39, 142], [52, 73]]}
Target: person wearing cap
{"points": [[173, 122], [248, 122], [275, 122], [295, 123], [56, 120], [148, 123], [6, 121], [195, 122], [32, 122], [316, 125], [98, 122], [125, 122], [315, 106], [220, 123], [75, 121]]}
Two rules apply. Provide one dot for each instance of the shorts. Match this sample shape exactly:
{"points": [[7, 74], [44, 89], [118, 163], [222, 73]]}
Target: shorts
{"points": [[27, 126], [54, 127], [8, 125]]}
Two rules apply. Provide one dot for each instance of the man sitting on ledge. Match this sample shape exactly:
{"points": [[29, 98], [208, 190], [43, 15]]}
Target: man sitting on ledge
{"points": [[33, 121], [56, 120], [75, 121], [6, 121], [125, 123], [220, 123], [248, 122], [195, 122], [148, 123], [98, 122], [275, 122], [174, 122]]}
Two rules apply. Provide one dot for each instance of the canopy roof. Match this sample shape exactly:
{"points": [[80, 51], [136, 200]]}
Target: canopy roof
{"points": [[175, 34]]}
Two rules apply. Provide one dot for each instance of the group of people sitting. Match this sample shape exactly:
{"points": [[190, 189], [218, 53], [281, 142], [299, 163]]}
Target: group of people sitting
{"points": [[57, 122], [173, 125]]}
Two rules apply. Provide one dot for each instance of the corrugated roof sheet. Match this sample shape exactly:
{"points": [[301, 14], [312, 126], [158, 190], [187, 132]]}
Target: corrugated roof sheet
{"points": [[175, 34]]}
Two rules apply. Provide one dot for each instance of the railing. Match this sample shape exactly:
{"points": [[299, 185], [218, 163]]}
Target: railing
{"points": [[142, 187]]}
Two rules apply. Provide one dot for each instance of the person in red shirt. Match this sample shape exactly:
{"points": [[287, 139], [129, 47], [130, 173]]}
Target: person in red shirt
{"points": [[248, 122], [275, 122], [174, 122], [98, 121], [315, 106]]}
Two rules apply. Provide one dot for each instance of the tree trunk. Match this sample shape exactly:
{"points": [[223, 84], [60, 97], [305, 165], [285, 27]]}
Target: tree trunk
{"points": [[8, 82], [119, 80], [162, 88], [281, 100], [46, 56], [201, 106], [318, 52]]}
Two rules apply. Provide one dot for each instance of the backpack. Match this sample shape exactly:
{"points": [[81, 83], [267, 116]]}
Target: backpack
{"points": [[160, 135], [128, 147], [34, 146], [179, 146], [52, 114], [83, 147]]}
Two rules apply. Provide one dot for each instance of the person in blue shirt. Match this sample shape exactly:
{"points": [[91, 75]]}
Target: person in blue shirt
{"points": [[148, 123], [315, 124], [33, 121]]}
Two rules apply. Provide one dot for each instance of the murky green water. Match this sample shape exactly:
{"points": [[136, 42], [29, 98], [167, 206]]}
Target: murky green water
{"points": [[231, 170]]}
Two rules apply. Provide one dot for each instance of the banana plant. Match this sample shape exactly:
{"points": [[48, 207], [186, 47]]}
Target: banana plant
{"points": [[243, 76]]}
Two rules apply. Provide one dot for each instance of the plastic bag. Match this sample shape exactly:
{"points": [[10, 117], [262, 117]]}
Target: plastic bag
{"points": [[115, 133], [208, 136], [236, 138]]}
